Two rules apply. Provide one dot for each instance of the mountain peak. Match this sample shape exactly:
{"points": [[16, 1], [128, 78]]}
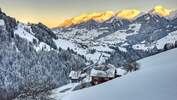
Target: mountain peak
{"points": [[128, 14], [162, 11], [100, 17]]}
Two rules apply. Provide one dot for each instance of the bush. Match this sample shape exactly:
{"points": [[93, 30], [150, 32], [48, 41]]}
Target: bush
{"points": [[168, 46], [175, 43], [131, 66], [92, 51]]}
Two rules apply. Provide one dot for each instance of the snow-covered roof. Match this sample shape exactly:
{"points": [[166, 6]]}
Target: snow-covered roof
{"points": [[75, 74], [103, 71]]}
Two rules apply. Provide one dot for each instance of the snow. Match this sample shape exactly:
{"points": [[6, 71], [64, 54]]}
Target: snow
{"points": [[94, 57], [102, 48], [23, 33], [83, 41], [170, 38], [122, 49], [2, 23], [75, 39], [62, 91], [104, 71], [156, 80], [121, 35], [98, 73], [64, 44], [125, 44], [42, 46], [75, 74], [144, 47], [80, 34], [147, 18], [172, 15], [120, 71]]}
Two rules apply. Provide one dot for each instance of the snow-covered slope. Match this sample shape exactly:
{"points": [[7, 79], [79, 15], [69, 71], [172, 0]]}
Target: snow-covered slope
{"points": [[30, 62], [24, 31], [156, 80], [59, 93], [139, 38]]}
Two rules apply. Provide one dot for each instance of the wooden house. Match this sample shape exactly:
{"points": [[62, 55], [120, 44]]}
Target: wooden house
{"points": [[74, 76], [77, 76], [103, 73]]}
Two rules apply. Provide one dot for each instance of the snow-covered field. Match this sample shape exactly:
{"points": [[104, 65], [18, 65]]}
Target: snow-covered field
{"points": [[104, 41], [62, 91], [170, 38], [73, 38], [25, 32], [156, 80]]}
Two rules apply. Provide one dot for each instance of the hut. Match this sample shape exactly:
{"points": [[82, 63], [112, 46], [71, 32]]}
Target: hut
{"points": [[74, 76], [103, 73], [77, 76]]}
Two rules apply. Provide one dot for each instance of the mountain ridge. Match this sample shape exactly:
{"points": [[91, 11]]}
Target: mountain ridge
{"points": [[129, 14], [33, 52], [116, 37]]}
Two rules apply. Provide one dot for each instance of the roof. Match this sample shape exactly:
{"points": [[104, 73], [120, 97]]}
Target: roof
{"points": [[104, 71], [75, 74]]}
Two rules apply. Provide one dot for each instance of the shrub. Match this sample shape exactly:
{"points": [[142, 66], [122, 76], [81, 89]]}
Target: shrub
{"points": [[131, 66]]}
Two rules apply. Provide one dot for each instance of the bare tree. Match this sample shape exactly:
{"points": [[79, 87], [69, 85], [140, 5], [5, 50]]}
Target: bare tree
{"points": [[131, 66]]}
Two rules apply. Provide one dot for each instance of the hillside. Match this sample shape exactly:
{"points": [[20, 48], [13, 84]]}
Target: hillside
{"points": [[35, 59], [119, 39], [30, 61], [156, 80]]}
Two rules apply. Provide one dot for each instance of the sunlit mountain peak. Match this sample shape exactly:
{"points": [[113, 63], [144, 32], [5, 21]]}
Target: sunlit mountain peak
{"points": [[128, 14], [100, 17], [103, 16], [162, 10]]}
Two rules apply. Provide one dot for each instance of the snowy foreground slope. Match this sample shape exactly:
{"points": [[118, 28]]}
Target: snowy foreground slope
{"points": [[156, 80]]}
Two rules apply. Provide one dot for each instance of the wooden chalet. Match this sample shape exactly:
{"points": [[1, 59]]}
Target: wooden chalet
{"points": [[103, 73]]}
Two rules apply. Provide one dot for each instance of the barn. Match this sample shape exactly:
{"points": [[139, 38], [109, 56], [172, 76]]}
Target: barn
{"points": [[74, 76], [77, 76], [103, 73]]}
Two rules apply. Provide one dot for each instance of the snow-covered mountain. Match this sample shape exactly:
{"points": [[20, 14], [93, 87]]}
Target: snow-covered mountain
{"points": [[156, 80], [30, 61], [34, 58], [115, 38]]}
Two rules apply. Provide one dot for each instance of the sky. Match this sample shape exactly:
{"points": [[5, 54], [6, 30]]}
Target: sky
{"points": [[54, 12]]}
